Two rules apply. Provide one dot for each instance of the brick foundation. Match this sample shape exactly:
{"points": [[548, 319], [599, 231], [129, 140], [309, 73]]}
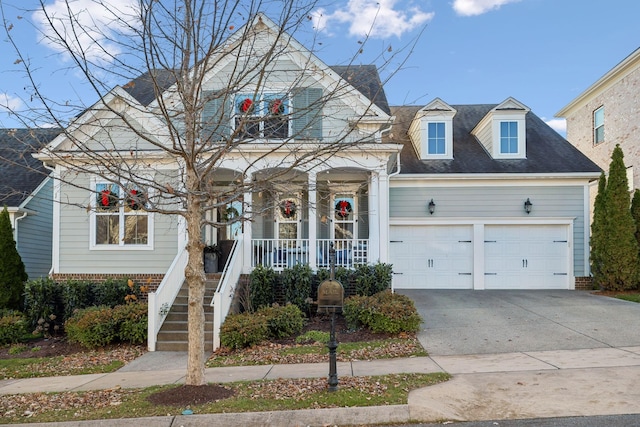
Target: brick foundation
{"points": [[151, 280], [584, 283]]}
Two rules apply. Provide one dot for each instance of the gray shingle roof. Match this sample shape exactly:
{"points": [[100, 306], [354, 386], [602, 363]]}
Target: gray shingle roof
{"points": [[364, 78], [547, 151], [20, 173]]}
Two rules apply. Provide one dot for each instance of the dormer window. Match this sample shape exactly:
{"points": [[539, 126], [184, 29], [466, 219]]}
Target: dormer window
{"points": [[436, 141], [431, 131], [508, 137], [502, 132]]}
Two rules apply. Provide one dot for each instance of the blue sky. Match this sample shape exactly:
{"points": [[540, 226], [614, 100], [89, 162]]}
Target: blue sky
{"points": [[542, 52]]}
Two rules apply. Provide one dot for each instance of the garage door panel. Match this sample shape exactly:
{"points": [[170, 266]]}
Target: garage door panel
{"points": [[431, 257], [526, 257]]}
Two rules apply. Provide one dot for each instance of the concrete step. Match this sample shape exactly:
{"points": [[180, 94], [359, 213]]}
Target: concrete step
{"points": [[179, 346]]}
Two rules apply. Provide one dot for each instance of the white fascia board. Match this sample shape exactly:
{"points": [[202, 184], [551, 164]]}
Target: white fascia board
{"points": [[625, 67], [492, 179], [34, 192]]}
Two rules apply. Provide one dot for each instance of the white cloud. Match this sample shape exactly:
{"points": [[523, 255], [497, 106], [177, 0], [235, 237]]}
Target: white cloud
{"points": [[92, 28], [478, 7], [9, 103], [377, 19], [559, 125]]}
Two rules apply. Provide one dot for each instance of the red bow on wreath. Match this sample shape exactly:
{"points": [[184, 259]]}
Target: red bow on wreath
{"points": [[246, 105], [276, 107], [343, 208], [287, 207], [104, 197]]}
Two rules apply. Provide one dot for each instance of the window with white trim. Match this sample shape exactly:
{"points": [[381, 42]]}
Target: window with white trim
{"points": [[509, 137], [344, 217], [119, 217], [436, 141], [598, 125], [264, 117]]}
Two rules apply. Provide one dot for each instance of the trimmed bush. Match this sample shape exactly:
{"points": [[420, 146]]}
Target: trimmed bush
{"points": [[112, 292], [44, 307], [296, 282], [77, 294], [243, 330], [13, 327], [248, 329], [92, 327], [261, 288], [283, 321], [131, 320], [384, 312], [371, 279]]}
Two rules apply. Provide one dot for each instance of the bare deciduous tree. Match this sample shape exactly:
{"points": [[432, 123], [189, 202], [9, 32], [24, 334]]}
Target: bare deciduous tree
{"points": [[164, 141]]}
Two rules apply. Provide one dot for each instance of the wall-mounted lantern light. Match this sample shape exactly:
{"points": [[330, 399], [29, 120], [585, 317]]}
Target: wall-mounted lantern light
{"points": [[432, 207], [527, 206]]}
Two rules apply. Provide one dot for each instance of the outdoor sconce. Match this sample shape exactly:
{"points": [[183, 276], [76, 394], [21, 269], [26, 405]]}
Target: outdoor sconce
{"points": [[432, 207], [527, 206]]}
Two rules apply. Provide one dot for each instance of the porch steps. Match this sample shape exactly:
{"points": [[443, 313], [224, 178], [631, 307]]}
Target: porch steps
{"points": [[174, 335]]}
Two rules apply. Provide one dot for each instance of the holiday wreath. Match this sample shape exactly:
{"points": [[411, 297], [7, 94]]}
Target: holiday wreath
{"points": [[343, 209], [107, 199], [288, 209], [276, 107], [246, 105]]}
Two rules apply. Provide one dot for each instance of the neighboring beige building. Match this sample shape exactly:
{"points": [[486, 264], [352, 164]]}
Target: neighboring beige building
{"points": [[606, 114]]}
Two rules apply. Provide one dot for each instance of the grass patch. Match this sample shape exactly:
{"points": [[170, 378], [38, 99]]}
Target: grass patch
{"points": [[53, 366], [629, 297], [273, 395]]}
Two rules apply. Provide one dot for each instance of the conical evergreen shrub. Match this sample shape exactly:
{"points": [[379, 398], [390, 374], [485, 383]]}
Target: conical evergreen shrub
{"points": [[12, 271]]}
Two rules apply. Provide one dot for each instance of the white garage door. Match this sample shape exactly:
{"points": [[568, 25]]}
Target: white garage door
{"points": [[526, 257], [432, 257]]}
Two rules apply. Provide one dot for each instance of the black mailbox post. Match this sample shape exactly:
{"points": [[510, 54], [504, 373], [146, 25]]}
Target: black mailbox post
{"points": [[330, 300]]}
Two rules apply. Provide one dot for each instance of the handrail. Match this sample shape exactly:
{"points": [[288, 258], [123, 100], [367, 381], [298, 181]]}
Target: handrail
{"points": [[160, 301], [223, 296]]}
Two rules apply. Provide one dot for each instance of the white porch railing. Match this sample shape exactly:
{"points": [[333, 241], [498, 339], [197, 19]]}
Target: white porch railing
{"points": [[160, 301], [223, 297], [283, 253]]}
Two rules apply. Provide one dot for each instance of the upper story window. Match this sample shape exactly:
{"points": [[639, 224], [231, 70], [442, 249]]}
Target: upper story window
{"points": [[508, 137], [263, 117], [431, 130], [598, 125], [119, 218], [436, 142]]}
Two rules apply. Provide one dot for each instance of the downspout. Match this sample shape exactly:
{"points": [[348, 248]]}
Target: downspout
{"points": [[53, 170], [15, 225]]}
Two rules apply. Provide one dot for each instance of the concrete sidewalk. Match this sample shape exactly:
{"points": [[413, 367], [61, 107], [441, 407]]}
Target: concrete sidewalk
{"points": [[598, 381]]}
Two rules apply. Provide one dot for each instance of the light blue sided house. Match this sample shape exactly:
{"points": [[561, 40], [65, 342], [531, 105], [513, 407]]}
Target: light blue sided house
{"points": [[454, 196], [26, 191]]}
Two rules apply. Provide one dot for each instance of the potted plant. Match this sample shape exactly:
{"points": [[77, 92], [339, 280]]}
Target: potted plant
{"points": [[211, 254]]}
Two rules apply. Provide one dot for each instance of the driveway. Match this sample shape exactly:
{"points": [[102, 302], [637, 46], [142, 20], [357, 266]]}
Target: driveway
{"points": [[457, 322]]}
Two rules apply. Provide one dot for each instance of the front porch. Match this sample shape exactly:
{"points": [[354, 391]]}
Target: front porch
{"points": [[285, 253]]}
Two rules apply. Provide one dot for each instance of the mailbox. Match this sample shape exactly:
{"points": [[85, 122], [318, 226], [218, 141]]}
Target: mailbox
{"points": [[330, 296]]}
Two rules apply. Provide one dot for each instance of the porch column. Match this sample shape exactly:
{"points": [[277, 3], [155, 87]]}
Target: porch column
{"points": [[247, 222], [374, 219], [313, 218], [383, 204]]}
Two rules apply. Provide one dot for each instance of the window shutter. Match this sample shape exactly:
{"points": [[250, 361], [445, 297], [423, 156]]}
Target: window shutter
{"points": [[307, 113], [216, 118]]}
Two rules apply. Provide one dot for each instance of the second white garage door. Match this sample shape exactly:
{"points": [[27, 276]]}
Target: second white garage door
{"points": [[432, 257], [526, 257]]}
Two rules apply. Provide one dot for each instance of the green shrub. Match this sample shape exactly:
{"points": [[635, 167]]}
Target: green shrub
{"points": [[243, 330], [114, 291], [371, 279], [12, 271], [131, 321], [92, 327], [44, 306], [261, 288], [384, 312], [13, 327], [247, 329], [296, 283], [283, 321], [77, 294]]}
